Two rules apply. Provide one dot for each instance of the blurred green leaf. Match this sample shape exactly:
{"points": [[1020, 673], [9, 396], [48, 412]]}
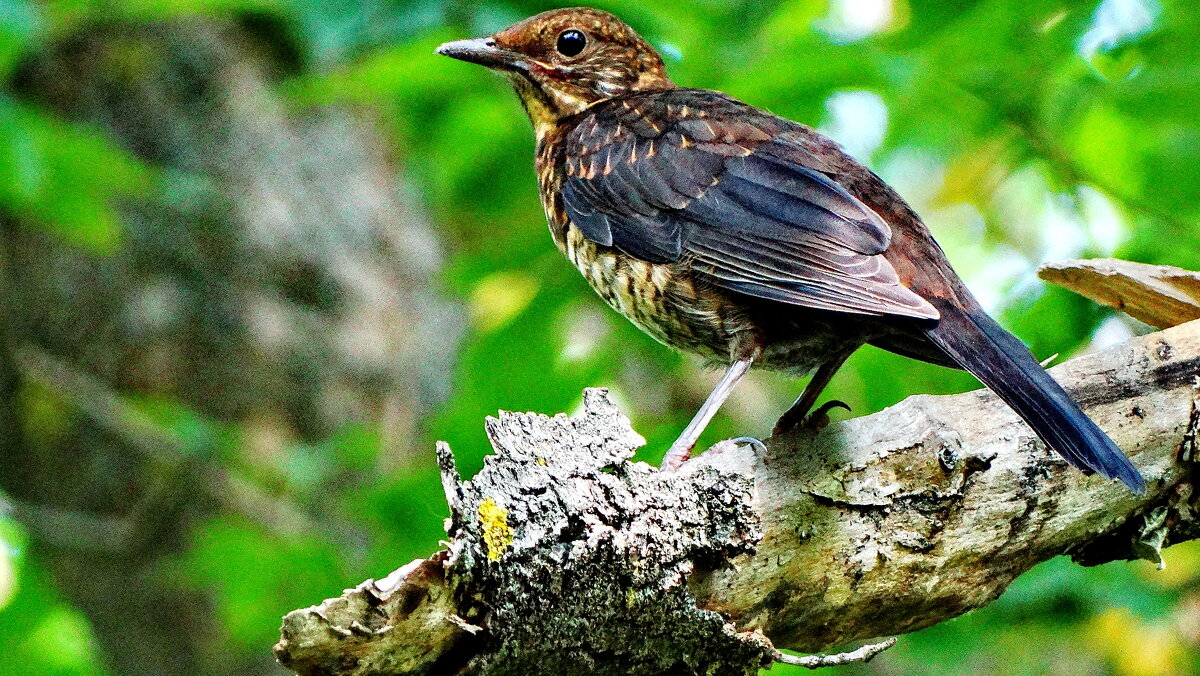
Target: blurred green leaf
{"points": [[65, 177], [21, 26], [256, 576]]}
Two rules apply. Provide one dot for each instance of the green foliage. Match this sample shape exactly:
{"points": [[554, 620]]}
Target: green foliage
{"points": [[40, 633], [64, 177], [253, 572], [1022, 130], [21, 25]]}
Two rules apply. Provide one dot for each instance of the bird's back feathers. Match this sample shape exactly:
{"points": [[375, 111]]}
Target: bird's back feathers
{"points": [[694, 175]]}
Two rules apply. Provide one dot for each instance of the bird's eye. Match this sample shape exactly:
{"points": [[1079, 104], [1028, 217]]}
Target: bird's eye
{"points": [[571, 42]]}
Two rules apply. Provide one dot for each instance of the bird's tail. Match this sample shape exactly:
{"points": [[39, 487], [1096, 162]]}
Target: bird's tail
{"points": [[1002, 362]]}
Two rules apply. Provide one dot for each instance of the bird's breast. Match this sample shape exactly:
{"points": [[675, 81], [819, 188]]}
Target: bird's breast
{"points": [[662, 299]]}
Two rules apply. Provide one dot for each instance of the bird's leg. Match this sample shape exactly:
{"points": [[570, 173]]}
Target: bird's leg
{"points": [[798, 413], [682, 448]]}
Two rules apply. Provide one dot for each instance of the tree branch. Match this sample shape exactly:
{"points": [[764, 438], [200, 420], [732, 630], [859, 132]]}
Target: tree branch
{"points": [[864, 654], [566, 557], [1160, 295]]}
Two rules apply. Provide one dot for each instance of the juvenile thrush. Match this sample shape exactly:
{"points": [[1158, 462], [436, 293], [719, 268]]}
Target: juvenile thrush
{"points": [[746, 238]]}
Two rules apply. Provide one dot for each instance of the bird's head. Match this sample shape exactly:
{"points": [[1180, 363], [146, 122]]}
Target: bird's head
{"points": [[562, 61]]}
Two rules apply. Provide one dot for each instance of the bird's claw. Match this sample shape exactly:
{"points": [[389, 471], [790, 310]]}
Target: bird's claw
{"points": [[751, 442], [730, 444], [814, 421]]}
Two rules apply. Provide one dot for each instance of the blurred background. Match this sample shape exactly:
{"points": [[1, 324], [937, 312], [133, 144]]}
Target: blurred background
{"points": [[257, 255]]}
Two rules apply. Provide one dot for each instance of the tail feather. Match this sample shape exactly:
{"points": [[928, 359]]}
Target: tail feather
{"points": [[1002, 362]]}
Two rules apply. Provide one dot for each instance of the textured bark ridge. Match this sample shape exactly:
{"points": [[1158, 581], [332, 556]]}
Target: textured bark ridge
{"points": [[580, 558], [568, 558]]}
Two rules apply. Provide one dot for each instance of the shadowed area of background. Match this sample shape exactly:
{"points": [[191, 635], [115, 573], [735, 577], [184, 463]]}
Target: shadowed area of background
{"points": [[258, 254]]}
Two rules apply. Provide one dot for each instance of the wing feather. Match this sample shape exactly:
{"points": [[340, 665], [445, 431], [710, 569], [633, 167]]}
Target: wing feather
{"points": [[751, 211]]}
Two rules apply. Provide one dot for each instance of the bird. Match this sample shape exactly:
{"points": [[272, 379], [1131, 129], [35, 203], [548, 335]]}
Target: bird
{"points": [[748, 239]]}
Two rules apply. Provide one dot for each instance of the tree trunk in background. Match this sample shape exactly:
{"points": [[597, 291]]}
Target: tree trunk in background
{"points": [[279, 281]]}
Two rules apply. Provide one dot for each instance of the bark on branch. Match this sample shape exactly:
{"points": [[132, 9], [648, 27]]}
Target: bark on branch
{"points": [[565, 557], [1160, 295]]}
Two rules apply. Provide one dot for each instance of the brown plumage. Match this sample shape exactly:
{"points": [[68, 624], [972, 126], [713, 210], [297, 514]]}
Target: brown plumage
{"points": [[743, 237]]}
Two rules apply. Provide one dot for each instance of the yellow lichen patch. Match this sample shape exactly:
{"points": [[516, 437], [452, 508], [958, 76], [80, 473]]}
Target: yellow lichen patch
{"points": [[496, 533]]}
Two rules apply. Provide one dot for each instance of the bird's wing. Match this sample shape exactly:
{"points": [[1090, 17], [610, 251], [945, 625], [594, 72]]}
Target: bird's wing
{"points": [[735, 192]]}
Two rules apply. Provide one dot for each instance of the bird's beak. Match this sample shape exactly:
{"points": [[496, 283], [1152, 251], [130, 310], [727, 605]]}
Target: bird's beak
{"points": [[482, 51]]}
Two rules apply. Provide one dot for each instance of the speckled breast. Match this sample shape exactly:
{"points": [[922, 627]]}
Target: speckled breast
{"points": [[663, 300]]}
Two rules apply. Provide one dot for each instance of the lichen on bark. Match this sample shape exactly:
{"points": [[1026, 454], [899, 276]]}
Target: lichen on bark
{"points": [[599, 551]]}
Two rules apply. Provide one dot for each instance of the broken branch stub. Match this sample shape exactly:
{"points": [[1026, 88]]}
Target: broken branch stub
{"points": [[1160, 295], [567, 557]]}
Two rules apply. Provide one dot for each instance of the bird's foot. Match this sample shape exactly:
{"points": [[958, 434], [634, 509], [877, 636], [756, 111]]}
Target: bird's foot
{"points": [[676, 456], [745, 441], [814, 421], [729, 444], [674, 459]]}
